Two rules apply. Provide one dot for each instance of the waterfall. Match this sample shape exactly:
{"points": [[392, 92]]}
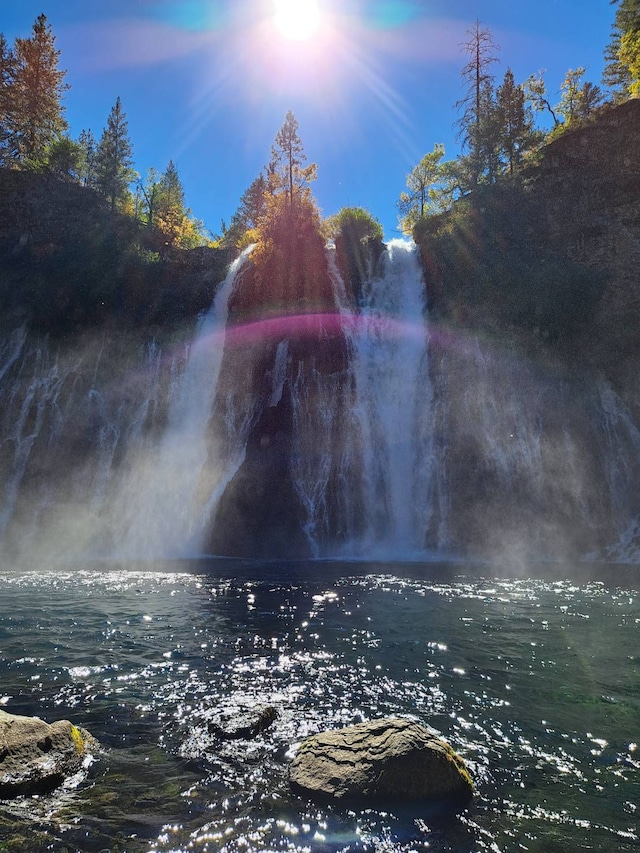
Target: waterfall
{"points": [[162, 493], [354, 432], [621, 451], [392, 407]]}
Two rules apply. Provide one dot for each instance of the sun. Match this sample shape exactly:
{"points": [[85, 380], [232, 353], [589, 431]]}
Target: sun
{"points": [[297, 20]]}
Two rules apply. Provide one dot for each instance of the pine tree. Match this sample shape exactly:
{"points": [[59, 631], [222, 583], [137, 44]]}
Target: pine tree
{"points": [[622, 54], [475, 124], [114, 161], [251, 208], [417, 202], [87, 164], [579, 99], [287, 158], [171, 192], [35, 114], [515, 122], [630, 57], [64, 157], [6, 74]]}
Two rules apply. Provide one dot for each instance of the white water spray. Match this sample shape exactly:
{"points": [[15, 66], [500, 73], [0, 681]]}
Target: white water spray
{"points": [[393, 406], [160, 491]]}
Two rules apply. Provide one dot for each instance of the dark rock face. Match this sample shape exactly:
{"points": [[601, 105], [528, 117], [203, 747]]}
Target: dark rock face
{"points": [[36, 756], [384, 759], [261, 512]]}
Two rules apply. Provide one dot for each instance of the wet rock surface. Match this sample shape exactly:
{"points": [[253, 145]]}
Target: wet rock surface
{"points": [[36, 756], [384, 759], [243, 723]]}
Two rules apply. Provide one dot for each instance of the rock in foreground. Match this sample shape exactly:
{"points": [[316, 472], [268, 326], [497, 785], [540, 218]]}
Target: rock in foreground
{"points": [[389, 759], [36, 756]]}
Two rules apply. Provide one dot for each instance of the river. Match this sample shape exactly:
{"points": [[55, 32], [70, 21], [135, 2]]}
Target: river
{"points": [[531, 675]]}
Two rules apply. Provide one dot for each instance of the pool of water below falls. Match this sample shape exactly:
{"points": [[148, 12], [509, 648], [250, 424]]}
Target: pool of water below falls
{"points": [[535, 682]]}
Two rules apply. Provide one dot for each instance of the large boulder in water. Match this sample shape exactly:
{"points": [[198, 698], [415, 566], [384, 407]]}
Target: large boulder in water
{"points": [[36, 756], [390, 759]]}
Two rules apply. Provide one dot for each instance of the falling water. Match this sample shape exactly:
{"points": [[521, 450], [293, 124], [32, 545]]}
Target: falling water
{"points": [[162, 488], [621, 451], [392, 406]]}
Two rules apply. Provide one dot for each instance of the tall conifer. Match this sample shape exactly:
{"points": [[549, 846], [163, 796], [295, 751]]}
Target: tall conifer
{"points": [[287, 159], [34, 113], [622, 54], [114, 161]]}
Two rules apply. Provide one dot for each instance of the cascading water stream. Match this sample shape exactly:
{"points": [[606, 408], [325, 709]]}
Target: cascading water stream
{"points": [[162, 488], [392, 406]]}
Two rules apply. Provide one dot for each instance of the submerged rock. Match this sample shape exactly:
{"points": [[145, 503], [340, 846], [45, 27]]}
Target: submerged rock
{"points": [[243, 723], [36, 756], [383, 759]]}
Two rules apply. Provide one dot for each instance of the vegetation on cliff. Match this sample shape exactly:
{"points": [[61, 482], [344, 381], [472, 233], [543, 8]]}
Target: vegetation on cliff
{"points": [[33, 137], [84, 239]]}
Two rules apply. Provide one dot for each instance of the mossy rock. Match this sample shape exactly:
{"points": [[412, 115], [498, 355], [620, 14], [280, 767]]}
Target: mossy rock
{"points": [[36, 757]]}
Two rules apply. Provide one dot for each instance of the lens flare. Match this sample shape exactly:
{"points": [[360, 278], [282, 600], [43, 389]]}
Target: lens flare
{"points": [[297, 19]]}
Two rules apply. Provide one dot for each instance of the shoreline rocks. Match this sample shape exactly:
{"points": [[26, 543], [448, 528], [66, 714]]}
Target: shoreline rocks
{"points": [[389, 759], [36, 757]]}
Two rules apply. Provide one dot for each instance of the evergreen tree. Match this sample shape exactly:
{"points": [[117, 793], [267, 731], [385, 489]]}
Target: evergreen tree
{"points": [[569, 106], [6, 74], [114, 161], [35, 114], [149, 192], [87, 164], [622, 54], [630, 57], [160, 203], [251, 208], [589, 99], [64, 157], [171, 192], [476, 129], [418, 201], [515, 123], [287, 159], [578, 100]]}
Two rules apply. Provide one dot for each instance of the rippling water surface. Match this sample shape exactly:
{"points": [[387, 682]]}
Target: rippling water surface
{"points": [[535, 682]]}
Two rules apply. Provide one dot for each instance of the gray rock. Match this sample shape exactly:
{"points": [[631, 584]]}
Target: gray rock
{"points": [[384, 759], [243, 723], [37, 757]]}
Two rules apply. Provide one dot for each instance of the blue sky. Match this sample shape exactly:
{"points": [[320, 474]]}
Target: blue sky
{"points": [[207, 83]]}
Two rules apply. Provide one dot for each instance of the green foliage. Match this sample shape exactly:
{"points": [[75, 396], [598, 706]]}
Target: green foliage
{"points": [[289, 259], [251, 209], [286, 172], [358, 239], [64, 158], [113, 161], [516, 133], [579, 99], [87, 164], [31, 115], [422, 196], [630, 56], [489, 266], [290, 271], [622, 54], [160, 204], [354, 224]]}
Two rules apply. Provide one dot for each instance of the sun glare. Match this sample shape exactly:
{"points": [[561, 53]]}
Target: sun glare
{"points": [[297, 19]]}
